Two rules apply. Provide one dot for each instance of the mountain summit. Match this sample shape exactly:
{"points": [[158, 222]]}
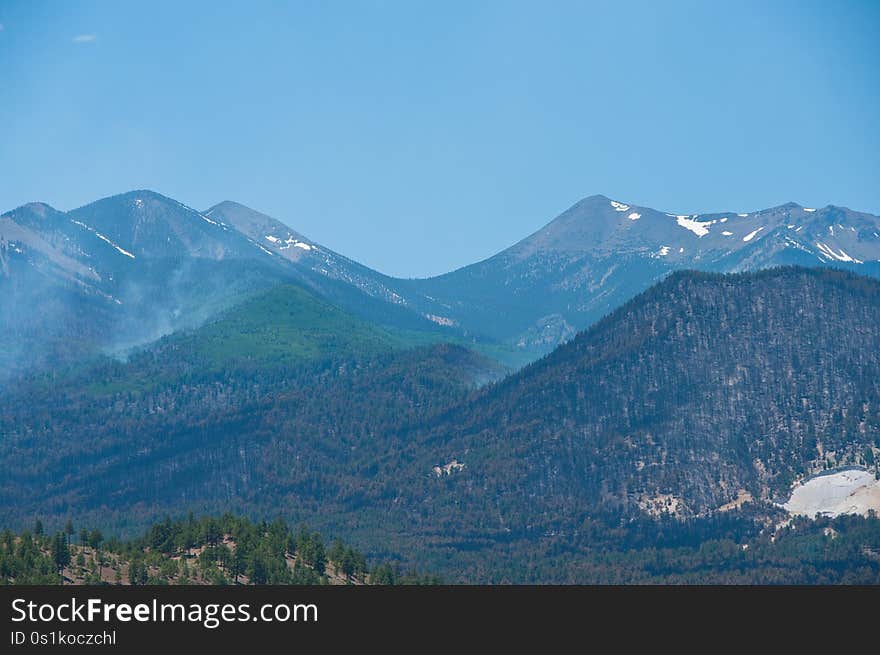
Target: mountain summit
{"points": [[601, 252], [150, 225], [115, 273]]}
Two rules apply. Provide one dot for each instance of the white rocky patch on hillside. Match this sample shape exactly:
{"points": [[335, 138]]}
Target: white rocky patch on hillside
{"points": [[440, 320], [448, 469], [661, 504], [853, 491]]}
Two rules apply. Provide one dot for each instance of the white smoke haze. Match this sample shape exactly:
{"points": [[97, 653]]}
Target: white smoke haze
{"points": [[46, 323]]}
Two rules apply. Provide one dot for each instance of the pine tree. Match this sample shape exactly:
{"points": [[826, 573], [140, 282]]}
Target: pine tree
{"points": [[336, 554], [60, 551], [95, 539], [383, 575]]}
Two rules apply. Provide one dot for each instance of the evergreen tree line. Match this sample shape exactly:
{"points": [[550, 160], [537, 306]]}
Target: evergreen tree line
{"points": [[211, 550]]}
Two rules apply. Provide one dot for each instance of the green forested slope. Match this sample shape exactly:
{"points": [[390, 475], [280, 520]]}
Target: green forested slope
{"points": [[704, 389]]}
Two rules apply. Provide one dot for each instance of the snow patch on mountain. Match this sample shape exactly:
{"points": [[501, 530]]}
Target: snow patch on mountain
{"points": [[619, 206], [828, 251], [752, 235], [204, 217], [796, 244], [119, 249], [700, 228], [103, 238], [284, 244]]}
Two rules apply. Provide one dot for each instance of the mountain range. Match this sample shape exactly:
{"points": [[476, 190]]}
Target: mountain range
{"points": [[589, 260], [621, 380], [600, 253], [123, 271]]}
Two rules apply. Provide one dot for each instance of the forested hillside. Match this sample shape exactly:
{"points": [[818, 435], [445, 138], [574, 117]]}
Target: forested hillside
{"points": [[703, 389], [681, 418], [126, 443]]}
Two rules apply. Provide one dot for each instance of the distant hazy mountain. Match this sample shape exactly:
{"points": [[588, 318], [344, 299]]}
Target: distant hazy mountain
{"points": [[118, 272], [127, 269], [353, 286], [586, 262], [52, 300], [298, 249], [600, 253]]}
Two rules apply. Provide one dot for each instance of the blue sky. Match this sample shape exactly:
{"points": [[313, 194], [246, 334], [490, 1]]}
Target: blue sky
{"points": [[417, 137]]}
